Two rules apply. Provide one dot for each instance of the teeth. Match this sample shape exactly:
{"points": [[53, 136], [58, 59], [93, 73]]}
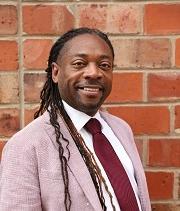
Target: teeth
{"points": [[91, 89]]}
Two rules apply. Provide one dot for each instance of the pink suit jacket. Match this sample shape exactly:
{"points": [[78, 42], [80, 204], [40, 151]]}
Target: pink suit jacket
{"points": [[31, 179]]}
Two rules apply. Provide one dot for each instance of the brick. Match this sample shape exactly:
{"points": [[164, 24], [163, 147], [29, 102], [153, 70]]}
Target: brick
{"points": [[29, 114], [9, 89], [177, 53], [144, 119], [122, 18], [9, 122], [160, 185], [162, 19], [47, 19], [165, 207], [8, 19], [36, 53], [164, 86], [177, 117], [33, 84], [123, 87], [93, 16], [2, 144], [164, 152], [142, 53], [8, 55]]}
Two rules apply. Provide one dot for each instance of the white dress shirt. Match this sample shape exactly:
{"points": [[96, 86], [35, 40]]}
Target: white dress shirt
{"points": [[79, 119]]}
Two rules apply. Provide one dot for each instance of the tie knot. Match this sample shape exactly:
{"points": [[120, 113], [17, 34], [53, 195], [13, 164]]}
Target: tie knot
{"points": [[93, 126]]}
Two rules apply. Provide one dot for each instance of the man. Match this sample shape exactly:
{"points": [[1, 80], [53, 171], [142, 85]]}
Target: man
{"points": [[55, 163]]}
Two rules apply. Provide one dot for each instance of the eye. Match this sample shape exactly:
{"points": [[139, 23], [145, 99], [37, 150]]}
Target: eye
{"points": [[79, 64], [105, 66]]}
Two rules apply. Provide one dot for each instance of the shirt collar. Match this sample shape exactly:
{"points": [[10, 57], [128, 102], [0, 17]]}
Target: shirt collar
{"points": [[78, 118]]}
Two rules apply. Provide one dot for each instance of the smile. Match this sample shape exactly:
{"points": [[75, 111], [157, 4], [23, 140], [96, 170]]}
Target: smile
{"points": [[90, 90]]}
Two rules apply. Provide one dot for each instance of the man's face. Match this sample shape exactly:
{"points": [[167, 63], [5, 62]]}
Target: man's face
{"points": [[84, 72]]}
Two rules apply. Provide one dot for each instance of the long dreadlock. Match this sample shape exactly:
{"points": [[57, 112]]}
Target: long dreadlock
{"points": [[51, 101]]}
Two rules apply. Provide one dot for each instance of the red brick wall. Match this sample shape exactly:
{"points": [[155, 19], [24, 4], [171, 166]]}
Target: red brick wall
{"points": [[146, 89]]}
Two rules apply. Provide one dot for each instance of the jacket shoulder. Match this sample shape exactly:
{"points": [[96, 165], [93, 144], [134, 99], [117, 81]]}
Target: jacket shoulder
{"points": [[116, 121], [31, 134]]}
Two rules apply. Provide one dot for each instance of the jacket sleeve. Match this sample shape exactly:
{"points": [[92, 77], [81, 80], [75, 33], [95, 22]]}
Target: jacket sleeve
{"points": [[19, 184]]}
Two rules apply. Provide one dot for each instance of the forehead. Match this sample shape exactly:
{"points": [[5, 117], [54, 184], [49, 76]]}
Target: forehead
{"points": [[88, 44]]}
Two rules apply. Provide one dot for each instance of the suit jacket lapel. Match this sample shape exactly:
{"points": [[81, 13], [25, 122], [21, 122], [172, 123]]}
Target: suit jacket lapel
{"points": [[127, 140], [122, 136], [80, 171]]}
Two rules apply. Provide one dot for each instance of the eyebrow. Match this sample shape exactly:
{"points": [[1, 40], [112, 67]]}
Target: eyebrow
{"points": [[85, 56]]}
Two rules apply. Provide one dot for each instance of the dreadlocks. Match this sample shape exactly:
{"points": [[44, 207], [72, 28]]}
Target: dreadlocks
{"points": [[51, 101]]}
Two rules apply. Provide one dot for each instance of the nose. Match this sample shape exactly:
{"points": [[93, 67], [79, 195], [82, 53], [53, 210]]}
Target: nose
{"points": [[92, 71]]}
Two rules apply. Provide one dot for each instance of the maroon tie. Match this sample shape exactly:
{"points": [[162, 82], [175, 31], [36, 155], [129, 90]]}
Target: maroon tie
{"points": [[113, 167]]}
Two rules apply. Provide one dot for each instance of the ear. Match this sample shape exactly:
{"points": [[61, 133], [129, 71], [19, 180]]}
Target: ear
{"points": [[55, 72]]}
